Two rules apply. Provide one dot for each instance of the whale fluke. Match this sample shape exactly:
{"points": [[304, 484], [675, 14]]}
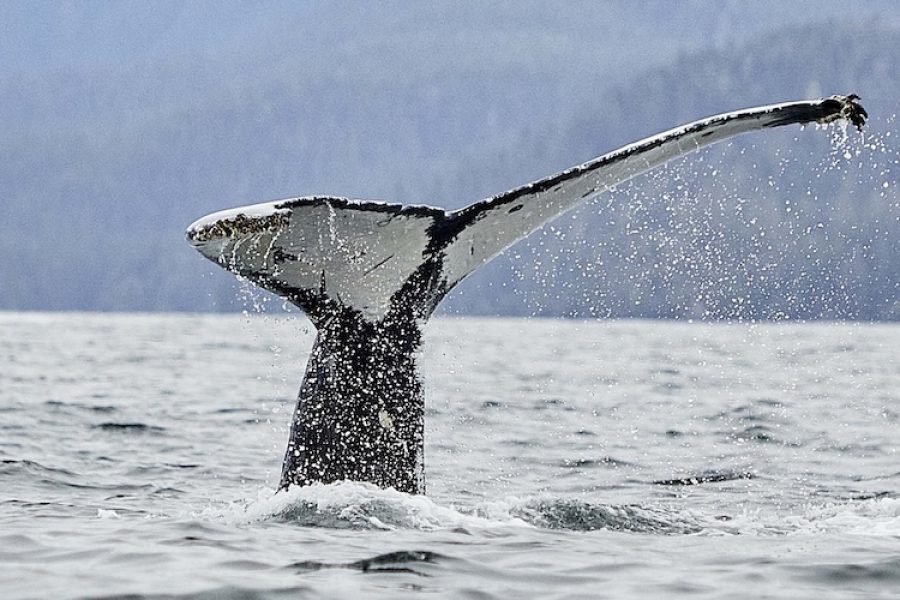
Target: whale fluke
{"points": [[370, 274]]}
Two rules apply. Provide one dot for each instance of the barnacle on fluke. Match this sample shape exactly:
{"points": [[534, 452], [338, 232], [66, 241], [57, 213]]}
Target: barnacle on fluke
{"points": [[238, 226]]}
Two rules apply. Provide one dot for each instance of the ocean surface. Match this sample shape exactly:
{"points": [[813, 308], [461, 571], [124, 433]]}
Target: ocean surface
{"points": [[565, 459]]}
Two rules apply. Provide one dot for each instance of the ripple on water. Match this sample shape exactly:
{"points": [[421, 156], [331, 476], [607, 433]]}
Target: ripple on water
{"points": [[129, 427], [878, 574], [707, 477], [401, 561]]}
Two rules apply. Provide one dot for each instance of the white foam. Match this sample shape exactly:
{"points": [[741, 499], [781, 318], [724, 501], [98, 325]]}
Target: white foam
{"points": [[876, 517], [361, 505]]}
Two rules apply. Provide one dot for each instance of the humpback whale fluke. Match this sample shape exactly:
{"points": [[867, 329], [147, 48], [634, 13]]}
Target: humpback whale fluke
{"points": [[370, 274]]}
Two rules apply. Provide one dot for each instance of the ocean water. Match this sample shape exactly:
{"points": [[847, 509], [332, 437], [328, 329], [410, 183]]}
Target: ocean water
{"points": [[565, 459]]}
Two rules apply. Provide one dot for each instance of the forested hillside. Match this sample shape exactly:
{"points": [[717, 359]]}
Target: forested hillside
{"points": [[104, 162]]}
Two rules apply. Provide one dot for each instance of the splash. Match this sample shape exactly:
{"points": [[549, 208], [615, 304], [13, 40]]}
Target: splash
{"points": [[350, 505], [879, 517], [798, 226]]}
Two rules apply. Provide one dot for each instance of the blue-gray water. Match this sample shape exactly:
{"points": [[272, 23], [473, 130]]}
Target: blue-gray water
{"points": [[138, 455]]}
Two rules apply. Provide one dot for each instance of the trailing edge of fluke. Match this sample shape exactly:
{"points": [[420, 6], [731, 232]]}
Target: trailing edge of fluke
{"points": [[370, 274]]}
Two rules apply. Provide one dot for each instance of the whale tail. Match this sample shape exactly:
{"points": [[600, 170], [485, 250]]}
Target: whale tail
{"points": [[368, 274], [328, 254]]}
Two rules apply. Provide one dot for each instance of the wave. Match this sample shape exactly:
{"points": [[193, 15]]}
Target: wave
{"points": [[577, 515]]}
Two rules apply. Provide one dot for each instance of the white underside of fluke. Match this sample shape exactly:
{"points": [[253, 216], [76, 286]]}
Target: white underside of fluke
{"points": [[355, 252]]}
